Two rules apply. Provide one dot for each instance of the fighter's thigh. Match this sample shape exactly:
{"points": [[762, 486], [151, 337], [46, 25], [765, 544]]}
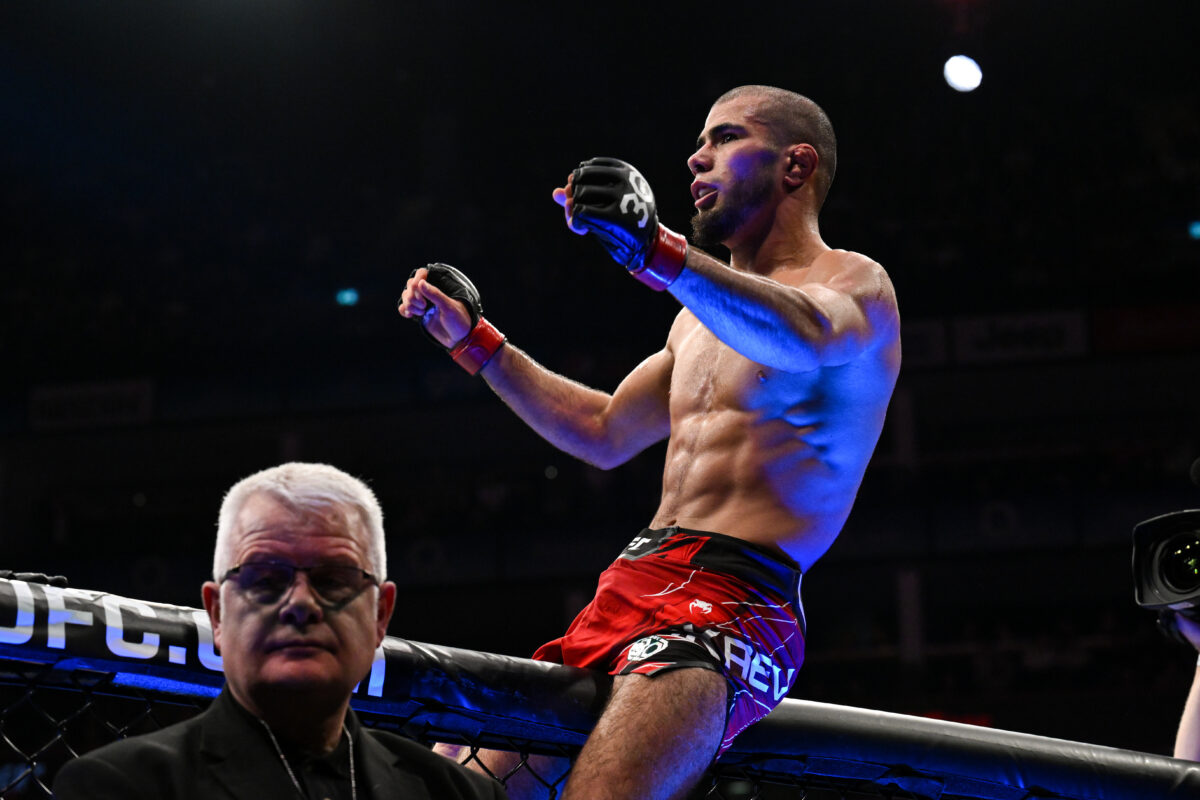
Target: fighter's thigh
{"points": [[678, 702], [656, 736]]}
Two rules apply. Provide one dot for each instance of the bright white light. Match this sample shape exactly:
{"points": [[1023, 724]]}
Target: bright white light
{"points": [[962, 73]]}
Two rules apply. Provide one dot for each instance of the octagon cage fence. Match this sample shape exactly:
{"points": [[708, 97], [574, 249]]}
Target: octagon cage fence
{"points": [[80, 668]]}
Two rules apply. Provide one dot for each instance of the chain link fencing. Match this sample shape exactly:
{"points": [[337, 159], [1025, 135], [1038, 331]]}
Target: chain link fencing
{"points": [[79, 669]]}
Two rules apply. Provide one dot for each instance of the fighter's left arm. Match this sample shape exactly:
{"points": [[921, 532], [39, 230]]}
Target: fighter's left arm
{"points": [[795, 320]]}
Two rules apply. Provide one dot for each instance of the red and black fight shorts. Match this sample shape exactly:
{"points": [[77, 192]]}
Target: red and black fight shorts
{"points": [[682, 598]]}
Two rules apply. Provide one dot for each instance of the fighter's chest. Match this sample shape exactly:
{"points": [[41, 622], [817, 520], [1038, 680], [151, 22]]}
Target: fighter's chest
{"points": [[708, 373]]}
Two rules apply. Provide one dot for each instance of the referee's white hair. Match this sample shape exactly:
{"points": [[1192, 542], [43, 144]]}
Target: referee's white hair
{"points": [[318, 489]]}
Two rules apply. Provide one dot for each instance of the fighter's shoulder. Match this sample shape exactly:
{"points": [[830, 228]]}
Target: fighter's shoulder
{"points": [[847, 262], [852, 273]]}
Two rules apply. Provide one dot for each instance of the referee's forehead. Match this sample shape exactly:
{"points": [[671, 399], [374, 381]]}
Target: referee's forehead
{"points": [[264, 524]]}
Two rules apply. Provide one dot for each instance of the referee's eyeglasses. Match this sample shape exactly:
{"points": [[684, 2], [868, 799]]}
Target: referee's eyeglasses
{"points": [[333, 585]]}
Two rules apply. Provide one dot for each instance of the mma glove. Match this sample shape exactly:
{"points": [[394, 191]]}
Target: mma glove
{"points": [[613, 201], [483, 340]]}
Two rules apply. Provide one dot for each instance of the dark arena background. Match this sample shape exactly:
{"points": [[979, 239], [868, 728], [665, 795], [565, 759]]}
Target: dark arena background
{"points": [[208, 210]]}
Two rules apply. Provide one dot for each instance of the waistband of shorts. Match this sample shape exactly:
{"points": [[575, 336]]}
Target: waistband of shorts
{"points": [[747, 561]]}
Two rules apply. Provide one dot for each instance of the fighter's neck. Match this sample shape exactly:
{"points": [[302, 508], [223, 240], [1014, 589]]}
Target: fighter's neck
{"points": [[796, 244]]}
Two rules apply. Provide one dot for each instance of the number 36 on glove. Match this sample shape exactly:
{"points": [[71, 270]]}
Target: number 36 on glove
{"points": [[612, 200]]}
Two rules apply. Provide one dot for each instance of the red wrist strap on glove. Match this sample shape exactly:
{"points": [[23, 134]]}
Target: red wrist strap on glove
{"points": [[477, 347], [665, 260]]}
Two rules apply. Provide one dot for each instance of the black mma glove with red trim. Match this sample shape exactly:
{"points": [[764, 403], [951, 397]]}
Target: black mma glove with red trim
{"points": [[612, 200], [454, 284], [483, 340]]}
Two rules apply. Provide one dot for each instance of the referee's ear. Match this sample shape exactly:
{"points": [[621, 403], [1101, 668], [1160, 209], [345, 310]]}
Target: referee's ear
{"points": [[383, 610], [210, 594]]}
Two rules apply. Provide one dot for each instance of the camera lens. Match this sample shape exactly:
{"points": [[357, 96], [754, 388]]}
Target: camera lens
{"points": [[1181, 563]]}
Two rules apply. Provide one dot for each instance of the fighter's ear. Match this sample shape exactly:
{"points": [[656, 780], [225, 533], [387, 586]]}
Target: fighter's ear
{"points": [[801, 164]]}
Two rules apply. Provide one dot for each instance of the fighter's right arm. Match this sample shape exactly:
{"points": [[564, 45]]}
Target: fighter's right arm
{"points": [[603, 429], [1187, 740]]}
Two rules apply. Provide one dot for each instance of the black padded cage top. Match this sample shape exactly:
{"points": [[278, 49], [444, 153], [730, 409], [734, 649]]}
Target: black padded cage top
{"points": [[80, 668]]}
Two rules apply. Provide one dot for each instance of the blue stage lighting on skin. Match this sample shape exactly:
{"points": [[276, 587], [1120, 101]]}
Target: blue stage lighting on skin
{"points": [[1194, 230], [347, 297]]}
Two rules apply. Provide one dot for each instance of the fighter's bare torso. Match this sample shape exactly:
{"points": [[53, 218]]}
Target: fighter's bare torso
{"points": [[770, 456]]}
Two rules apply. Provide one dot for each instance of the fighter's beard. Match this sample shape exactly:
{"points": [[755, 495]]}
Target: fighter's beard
{"points": [[712, 227], [737, 203]]}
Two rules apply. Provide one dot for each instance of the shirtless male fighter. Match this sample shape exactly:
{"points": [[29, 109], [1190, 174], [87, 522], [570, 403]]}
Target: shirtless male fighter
{"points": [[771, 391]]}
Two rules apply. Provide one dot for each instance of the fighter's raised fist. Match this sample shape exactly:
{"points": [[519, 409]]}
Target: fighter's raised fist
{"points": [[611, 199], [444, 300]]}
